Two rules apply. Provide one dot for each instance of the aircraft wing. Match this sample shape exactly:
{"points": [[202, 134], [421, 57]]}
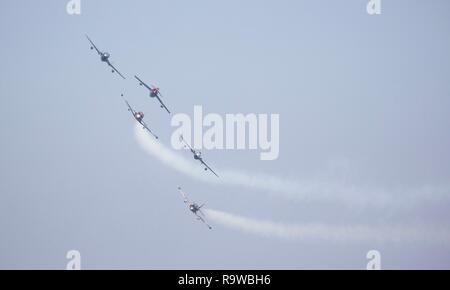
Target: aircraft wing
{"points": [[93, 45], [128, 105], [162, 104], [110, 64], [199, 210], [206, 165], [203, 221], [186, 144], [144, 84], [147, 128], [184, 195]]}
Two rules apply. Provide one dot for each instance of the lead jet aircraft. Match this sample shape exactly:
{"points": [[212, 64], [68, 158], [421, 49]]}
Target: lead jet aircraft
{"points": [[194, 208], [197, 155], [154, 92], [139, 116], [104, 56]]}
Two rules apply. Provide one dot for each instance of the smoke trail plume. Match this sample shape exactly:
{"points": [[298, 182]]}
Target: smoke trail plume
{"points": [[329, 233], [304, 190]]}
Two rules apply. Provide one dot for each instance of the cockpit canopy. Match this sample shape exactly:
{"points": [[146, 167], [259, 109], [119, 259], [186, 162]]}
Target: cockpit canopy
{"points": [[139, 115]]}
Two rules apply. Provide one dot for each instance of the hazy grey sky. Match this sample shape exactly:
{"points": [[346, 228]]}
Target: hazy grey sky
{"points": [[364, 104]]}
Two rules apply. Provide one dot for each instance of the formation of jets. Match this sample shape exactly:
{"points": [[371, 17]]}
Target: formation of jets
{"points": [[139, 117]]}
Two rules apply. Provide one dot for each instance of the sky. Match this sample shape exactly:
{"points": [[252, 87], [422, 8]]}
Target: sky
{"points": [[364, 106]]}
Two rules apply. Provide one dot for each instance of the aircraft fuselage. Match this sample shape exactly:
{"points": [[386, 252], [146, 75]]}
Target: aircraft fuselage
{"points": [[105, 57], [154, 93], [194, 208], [139, 116]]}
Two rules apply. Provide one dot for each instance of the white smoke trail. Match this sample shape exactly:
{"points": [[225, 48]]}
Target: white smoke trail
{"points": [[303, 190], [170, 158], [329, 233]]}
